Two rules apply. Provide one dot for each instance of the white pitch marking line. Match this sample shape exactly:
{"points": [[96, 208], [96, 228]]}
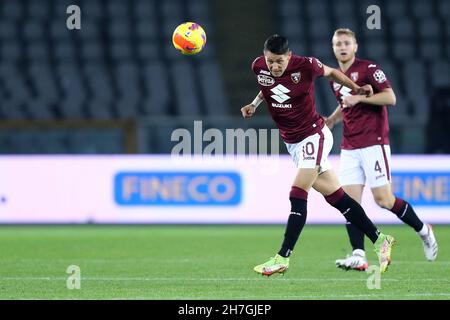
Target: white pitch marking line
{"points": [[256, 279]]}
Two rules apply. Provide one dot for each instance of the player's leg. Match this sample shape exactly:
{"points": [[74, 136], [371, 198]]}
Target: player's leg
{"points": [[328, 185], [355, 235], [352, 178], [299, 202], [376, 165], [357, 259], [298, 197], [306, 155]]}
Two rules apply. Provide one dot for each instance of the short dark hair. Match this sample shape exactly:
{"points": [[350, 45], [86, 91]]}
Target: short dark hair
{"points": [[276, 44]]}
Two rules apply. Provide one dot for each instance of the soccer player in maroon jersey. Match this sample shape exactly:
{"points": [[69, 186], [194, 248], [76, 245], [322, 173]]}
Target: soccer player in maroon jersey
{"points": [[287, 85], [365, 151]]}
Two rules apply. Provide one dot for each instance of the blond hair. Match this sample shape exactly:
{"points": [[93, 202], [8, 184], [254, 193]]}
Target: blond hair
{"points": [[345, 31]]}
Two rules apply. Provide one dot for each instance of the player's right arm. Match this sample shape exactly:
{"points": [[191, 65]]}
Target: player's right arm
{"points": [[334, 118], [339, 77], [249, 110]]}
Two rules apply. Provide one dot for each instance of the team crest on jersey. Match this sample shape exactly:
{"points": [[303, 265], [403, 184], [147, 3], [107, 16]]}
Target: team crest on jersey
{"points": [[336, 86], [354, 76], [295, 77], [265, 80]]}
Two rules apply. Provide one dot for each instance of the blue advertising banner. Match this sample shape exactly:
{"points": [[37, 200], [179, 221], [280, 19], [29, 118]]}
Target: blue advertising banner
{"points": [[422, 188], [177, 188]]}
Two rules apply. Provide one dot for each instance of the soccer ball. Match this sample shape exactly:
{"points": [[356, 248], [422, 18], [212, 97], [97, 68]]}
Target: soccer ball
{"points": [[189, 38]]}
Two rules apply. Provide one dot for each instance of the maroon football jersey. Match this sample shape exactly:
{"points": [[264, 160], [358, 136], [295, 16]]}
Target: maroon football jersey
{"points": [[365, 125], [290, 98]]}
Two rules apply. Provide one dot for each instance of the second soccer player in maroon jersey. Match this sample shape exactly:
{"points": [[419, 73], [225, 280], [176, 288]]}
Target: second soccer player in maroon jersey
{"points": [[365, 154], [286, 83]]}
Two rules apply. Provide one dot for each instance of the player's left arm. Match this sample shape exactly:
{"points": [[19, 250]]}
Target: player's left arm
{"points": [[338, 77], [384, 98]]}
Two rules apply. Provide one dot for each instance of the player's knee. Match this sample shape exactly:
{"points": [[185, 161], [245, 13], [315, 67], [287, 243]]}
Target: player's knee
{"points": [[298, 193], [383, 201]]}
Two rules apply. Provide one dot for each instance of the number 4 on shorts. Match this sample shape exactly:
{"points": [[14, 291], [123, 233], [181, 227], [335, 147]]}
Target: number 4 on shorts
{"points": [[377, 166]]}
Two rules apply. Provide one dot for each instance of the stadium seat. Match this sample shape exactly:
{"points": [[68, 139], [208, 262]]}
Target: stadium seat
{"points": [[92, 51], [422, 9], [92, 11], [42, 78], [33, 31], [38, 10], [438, 75], [443, 9], [213, 89], [395, 9], [187, 102], [147, 30], [10, 51], [38, 51], [403, 49], [8, 29], [119, 29], [117, 9], [403, 29], [171, 9], [121, 50], [375, 49], [299, 48], [322, 50], [430, 50], [127, 78], [156, 83], [320, 29], [144, 10], [344, 22], [197, 10], [12, 108], [91, 31], [447, 30], [429, 28], [147, 50], [316, 9], [343, 9], [74, 93], [291, 9], [414, 76], [13, 9], [413, 140], [40, 109], [293, 29], [65, 51]]}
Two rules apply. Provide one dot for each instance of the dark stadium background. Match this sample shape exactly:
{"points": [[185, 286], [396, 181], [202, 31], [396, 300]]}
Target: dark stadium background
{"points": [[118, 86]]}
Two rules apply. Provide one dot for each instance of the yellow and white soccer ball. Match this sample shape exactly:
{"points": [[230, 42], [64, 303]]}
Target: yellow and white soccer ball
{"points": [[189, 38]]}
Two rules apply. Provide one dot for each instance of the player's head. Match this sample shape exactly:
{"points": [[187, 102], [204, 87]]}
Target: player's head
{"points": [[344, 44], [277, 54]]}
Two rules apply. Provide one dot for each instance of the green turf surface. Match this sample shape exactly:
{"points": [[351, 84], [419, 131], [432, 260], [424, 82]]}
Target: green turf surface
{"points": [[207, 262]]}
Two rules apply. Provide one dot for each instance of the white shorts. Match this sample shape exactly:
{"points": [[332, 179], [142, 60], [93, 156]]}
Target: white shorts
{"points": [[371, 164], [313, 151]]}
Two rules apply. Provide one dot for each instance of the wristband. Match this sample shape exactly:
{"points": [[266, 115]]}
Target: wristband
{"points": [[257, 101]]}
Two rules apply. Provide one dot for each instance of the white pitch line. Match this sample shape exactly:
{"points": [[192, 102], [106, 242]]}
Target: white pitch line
{"points": [[256, 279]]}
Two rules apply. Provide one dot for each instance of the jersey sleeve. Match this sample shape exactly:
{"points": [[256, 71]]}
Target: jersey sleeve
{"points": [[316, 66], [254, 64], [377, 78]]}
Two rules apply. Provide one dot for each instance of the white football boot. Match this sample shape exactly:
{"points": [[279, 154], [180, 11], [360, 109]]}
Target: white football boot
{"points": [[356, 261], [430, 246]]}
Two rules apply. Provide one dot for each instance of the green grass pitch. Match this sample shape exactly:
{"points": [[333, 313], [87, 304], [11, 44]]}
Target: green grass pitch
{"points": [[208, 262]]}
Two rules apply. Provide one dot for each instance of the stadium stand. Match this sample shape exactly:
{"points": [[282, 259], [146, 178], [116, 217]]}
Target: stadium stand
{"points": [[121, 64]]}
